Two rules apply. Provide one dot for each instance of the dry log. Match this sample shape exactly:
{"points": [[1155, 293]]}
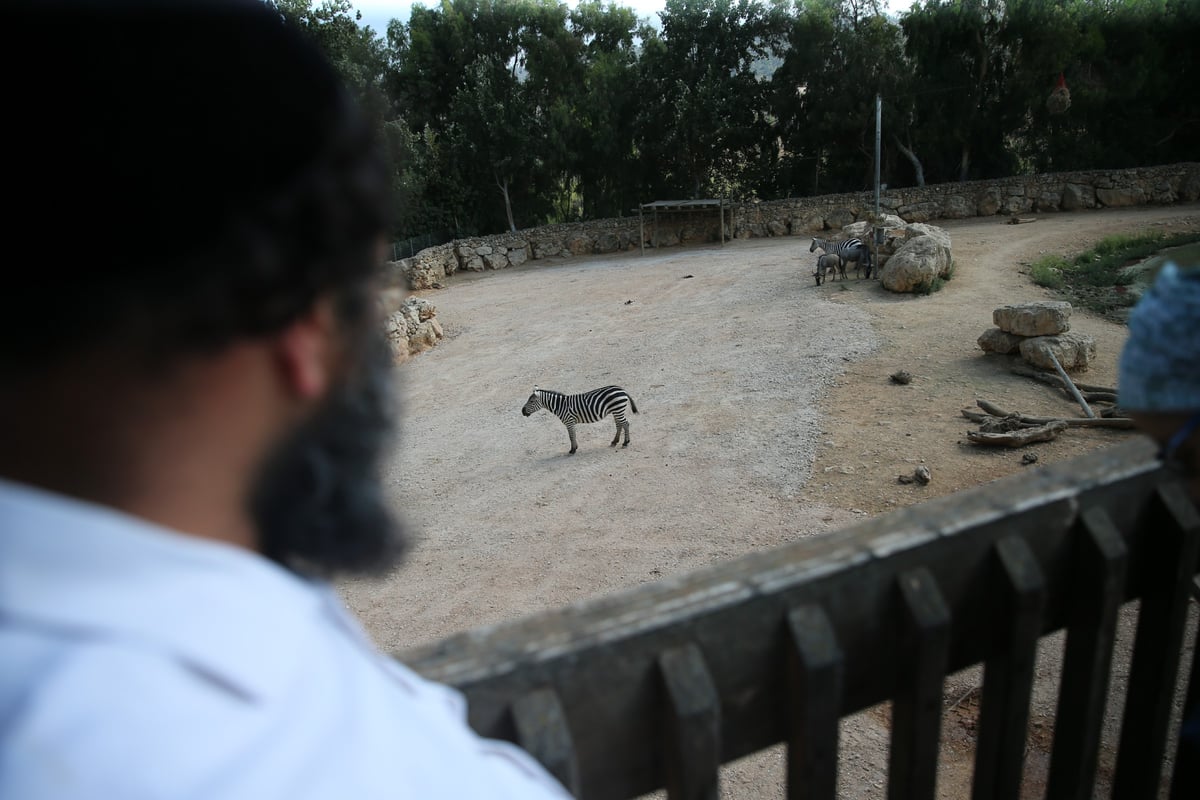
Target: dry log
{"points": [[1070, 384], [990, 424], [1042, 433], [994, 411]]}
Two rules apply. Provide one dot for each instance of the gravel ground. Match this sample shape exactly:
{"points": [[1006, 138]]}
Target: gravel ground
{"points": [[726, 358]]}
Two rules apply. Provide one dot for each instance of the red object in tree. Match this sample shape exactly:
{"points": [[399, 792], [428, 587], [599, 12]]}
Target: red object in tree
{"points": [[1060, 99]]}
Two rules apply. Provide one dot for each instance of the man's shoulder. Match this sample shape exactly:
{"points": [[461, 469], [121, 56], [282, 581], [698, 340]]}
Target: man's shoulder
{"points": [[91, 718]]}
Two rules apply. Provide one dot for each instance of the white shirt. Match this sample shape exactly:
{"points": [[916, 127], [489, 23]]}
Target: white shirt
{"points": [[136, 662]]}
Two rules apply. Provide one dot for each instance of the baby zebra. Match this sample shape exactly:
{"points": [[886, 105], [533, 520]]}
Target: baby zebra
{"points": [[590, 406], [829, 262]]}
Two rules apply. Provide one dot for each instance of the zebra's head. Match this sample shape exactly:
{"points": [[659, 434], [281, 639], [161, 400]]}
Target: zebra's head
{"points": [[534, 403], [814, 246]]}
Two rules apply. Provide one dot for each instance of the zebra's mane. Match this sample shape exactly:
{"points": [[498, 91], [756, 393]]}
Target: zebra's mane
{"points": [[548, 391]]}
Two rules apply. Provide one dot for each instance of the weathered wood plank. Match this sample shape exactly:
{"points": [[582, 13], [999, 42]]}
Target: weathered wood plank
{"points": [[816, 666], [541, 728], [922, 653], [1172, 546], [1098, 588], [1008, 675], [691, 725]]}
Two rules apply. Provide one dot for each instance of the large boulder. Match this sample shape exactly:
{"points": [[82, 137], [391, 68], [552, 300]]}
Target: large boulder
{"points": [[864, 229], [1040, 318], [915, 265], [1074, 351], [994, 340]]}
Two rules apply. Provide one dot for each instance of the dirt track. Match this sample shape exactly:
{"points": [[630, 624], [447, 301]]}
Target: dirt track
{"points": [[766, 416]]}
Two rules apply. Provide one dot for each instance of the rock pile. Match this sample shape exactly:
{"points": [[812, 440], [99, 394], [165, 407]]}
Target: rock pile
{"points": [[411, 328], [1037, 329], [912, 255]]}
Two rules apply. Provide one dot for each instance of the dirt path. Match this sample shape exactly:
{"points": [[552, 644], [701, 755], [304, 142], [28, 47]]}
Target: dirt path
{"points": [[766, 416]]}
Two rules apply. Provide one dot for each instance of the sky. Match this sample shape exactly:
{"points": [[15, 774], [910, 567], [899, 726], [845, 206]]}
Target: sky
{"points": [[377, 13]]}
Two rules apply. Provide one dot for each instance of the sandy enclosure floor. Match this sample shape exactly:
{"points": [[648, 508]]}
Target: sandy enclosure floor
{"points": [[766, 415]]}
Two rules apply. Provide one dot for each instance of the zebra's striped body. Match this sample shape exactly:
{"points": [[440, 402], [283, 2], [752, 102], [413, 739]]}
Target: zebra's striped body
{"points": [[590, 406], [848, 250]]}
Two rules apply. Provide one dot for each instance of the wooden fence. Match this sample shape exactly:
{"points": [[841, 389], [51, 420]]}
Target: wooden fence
{"points": [[662, 684]]}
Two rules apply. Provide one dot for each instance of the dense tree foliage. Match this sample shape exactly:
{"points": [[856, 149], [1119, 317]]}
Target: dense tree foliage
{"points": [[502, 114]]}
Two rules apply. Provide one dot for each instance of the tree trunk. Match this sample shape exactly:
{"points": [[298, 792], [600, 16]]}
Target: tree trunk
{"points": [[916, 162], [503, 186], [964, 164]]}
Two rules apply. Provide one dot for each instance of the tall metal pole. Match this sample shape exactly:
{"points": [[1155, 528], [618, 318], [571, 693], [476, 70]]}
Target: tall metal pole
{"points": [[878, 131]]}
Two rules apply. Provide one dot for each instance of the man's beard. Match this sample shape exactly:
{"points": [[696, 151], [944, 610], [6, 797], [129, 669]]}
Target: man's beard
{"points": [[318, 502]]}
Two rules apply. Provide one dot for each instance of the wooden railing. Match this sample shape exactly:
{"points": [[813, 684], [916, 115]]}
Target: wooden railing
{"points": [[660, 685]]}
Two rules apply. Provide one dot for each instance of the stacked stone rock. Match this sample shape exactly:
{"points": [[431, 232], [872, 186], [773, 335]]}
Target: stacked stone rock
{"points": [[412, 328], [1037, 329]]}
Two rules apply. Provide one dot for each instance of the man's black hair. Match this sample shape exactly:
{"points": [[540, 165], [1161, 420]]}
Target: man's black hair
{"points": [[180, 174]]}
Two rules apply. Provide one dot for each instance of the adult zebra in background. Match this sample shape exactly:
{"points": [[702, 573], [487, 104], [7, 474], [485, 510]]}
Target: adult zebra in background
{"points": [[590, 406], [849, 250]]}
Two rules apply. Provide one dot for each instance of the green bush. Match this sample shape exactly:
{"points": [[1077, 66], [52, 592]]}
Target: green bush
{"points": [[1095, 279], [1050, 271]]}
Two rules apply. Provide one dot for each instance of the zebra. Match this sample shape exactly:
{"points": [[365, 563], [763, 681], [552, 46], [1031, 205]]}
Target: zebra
{"points": [[849, 250], [590, 406], [829, 261]]}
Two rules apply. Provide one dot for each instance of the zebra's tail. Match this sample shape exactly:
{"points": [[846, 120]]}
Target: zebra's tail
{"points": [[632, 405]]}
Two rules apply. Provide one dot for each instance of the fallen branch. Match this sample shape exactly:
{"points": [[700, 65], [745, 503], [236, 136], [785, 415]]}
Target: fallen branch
{"points": [[988, 422], [1070, 384], [1020, 438], [995, 412], [1093, 394]]}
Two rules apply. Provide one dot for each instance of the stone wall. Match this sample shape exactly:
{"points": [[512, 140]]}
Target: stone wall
{"points": [[805, 216]]}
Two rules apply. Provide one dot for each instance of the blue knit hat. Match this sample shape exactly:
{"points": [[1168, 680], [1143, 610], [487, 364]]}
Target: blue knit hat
{"points": [[1160, 365]]}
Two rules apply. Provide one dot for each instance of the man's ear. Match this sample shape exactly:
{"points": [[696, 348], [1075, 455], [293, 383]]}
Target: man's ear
{"points": [[306, 351]]}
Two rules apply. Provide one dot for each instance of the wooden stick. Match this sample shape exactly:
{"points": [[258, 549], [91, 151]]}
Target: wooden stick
{"points": [[1054, 380], [995, 412], [1070, 384]]}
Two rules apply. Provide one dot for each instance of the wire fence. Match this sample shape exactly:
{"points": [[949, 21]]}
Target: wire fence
{"points": [[407, 248]]}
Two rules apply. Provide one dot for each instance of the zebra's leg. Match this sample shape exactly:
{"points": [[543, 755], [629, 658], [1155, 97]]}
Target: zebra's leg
{"points": [[620, 424], [571, 433], [626, 421]]}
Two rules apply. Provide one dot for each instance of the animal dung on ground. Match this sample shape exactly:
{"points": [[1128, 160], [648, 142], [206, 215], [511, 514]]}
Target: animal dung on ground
{"points": [[920, 475], [628, 302], [685, 277], [1029, 458], [902, 377]]}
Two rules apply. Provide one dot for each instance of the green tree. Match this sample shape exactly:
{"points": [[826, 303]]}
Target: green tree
{"points": [[959, 115], [840, 55], [708, 125], [604, 109]]}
